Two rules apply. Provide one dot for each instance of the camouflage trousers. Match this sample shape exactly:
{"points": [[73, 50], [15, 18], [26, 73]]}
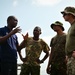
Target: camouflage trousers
{"points": [[71, 66], [27, 69]]}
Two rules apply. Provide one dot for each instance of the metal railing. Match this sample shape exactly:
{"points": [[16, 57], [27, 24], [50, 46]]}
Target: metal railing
{"points": [[18, 68]]}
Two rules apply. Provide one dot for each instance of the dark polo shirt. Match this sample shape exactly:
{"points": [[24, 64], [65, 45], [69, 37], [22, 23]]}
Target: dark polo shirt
{"points": [[8, 50]]}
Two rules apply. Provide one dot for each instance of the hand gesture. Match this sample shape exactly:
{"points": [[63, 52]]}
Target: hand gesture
{"points": [[25, 36], [16, 30]]}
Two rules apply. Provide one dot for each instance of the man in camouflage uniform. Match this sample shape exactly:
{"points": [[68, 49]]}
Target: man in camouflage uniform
{"points": [[69, 15], [34, 46], [56, 63]]}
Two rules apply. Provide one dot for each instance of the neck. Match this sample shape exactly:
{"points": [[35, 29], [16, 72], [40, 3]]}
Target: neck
{"points": [[36, 38], [71, 21], [10, 28], [60, 32]]}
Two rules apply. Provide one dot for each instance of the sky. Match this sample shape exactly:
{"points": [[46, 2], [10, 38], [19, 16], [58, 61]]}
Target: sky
{"points": [[31, 13]]}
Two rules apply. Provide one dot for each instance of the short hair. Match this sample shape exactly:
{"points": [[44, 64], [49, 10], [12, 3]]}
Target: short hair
{"points": [[9, 18]]}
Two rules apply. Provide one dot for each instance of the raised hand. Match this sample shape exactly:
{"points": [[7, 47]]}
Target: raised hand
{"points": [[25, 36], [16, 30]]}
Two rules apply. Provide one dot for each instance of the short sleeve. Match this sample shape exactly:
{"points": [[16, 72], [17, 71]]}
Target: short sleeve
{"points": [[45, 46]]}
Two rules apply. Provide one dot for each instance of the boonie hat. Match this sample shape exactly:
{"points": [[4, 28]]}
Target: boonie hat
{"points": [[69, 10], [58, 24]]}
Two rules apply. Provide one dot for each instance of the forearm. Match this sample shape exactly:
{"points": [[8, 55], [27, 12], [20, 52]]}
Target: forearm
{"points": [[48, 69], [49, 62], [50, 57], [4, 38], [20, 55], [45, 57]]}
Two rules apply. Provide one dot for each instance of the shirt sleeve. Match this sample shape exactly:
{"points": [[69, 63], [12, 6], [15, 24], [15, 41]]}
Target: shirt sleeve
{"points": [[45, 46]]}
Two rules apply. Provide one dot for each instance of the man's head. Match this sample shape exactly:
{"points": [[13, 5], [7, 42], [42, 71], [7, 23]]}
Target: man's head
{"points": [[37, 31], [69, 10], [57, 23], [12, 21]]}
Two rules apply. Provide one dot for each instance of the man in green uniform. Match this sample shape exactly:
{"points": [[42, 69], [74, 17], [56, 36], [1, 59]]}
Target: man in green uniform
{"points": [[34, 46], [69, 15], [56, 63]]}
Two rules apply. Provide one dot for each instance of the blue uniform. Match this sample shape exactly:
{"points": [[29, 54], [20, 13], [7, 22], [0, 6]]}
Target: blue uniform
{"points": [[8, 53]]}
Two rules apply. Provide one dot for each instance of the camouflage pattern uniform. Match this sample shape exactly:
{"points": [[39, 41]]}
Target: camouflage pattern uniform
{"points": [[58, 64], [70, 46], [33, 52], [71, 66], [70, 41]]}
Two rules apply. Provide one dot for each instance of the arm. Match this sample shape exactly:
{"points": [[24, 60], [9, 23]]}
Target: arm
{"points": [[4, 38], [49, 62], [45, 49], [45, 57], [20, 55], [22, 45]]}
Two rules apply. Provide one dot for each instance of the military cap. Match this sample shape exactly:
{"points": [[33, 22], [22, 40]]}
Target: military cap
{"points": [[57, 23], [69, 10]]}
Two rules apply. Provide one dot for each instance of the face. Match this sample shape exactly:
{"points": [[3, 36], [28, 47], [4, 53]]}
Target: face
{"points": [[56, 28], [12, 22], [37, 32], [66, 16]]}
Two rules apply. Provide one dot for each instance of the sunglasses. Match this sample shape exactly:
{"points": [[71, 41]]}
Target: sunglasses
{"points": [[65, 14]]}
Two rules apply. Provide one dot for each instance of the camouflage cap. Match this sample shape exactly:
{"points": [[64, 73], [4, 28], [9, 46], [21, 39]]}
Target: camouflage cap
{"points": [[69, 10], [58, 24]]}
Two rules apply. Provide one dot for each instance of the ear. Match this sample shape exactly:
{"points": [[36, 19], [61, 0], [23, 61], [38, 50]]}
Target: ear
{"points": [[40, 32]]}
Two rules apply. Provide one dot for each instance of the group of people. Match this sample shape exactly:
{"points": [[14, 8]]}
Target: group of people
{"points": [[61, 57]]}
